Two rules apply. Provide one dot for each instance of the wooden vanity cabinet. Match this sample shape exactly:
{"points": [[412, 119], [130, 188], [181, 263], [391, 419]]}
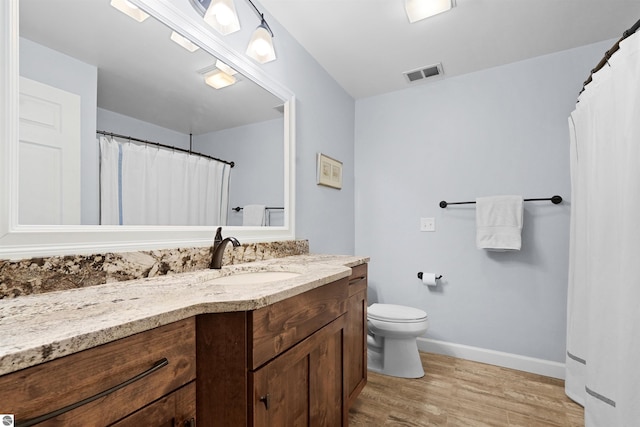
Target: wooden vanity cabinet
{"points": [[281, 365], [156, 369], [300, 361], [355, 349]]}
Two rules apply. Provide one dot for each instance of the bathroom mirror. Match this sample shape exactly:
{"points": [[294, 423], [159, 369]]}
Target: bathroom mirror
{"points": [[160, 96]]}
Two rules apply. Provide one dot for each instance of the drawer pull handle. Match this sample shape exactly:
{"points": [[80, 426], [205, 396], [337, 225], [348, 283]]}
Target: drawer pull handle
{"points": [[159, 364], [190, 422], [266, 400], [357, 279]]}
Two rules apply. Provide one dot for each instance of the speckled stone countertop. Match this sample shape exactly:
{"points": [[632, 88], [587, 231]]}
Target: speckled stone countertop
{"points": [[39, 328]]}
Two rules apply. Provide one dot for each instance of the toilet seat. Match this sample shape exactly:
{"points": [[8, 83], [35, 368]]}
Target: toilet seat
{"points": [[395, 313]]}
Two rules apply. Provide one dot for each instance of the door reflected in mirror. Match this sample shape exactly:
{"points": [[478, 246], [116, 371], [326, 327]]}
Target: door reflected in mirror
{"points": [[87, 67]]}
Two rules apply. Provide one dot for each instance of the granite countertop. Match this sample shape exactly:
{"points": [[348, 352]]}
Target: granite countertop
{"points": [[39, 328]]}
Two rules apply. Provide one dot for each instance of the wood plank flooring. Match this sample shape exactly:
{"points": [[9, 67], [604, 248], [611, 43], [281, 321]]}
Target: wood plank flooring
{"points": [[457, 392]]}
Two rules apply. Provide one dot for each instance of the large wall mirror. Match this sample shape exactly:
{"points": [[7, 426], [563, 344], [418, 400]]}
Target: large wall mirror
{"points": [[88, 80]]}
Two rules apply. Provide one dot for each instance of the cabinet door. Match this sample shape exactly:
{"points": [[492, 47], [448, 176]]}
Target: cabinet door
{"points": [[177, 409], [355, 337], [303, 386]]}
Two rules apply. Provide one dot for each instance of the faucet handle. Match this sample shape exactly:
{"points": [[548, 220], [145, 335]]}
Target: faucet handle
{"points": [[218, 239]]}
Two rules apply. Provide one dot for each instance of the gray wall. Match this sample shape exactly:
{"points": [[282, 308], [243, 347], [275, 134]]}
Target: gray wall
{"points": [[498, 131], [325, 121]]}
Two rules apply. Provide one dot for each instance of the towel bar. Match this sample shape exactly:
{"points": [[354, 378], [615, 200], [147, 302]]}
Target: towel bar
{"points": [[555, 200]]}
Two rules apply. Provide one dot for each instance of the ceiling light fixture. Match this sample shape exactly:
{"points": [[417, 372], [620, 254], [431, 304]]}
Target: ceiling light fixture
{"points": [[129, 9], [225, 68], [184, 42], [218, 79], [421, 9], [222, 15], [261, 44]]}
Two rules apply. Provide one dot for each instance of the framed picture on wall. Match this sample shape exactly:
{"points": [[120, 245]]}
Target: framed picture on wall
{"points": [[329, 171]]}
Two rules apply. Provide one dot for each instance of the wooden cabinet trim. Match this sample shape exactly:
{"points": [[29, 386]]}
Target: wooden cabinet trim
{"points": [[222, 369]]}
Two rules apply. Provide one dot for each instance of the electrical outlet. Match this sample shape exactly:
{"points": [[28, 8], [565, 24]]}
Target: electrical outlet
{"points": [[427, 224]]}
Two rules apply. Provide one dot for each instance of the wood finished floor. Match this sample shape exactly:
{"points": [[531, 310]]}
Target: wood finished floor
{"points": [[456, 392]]}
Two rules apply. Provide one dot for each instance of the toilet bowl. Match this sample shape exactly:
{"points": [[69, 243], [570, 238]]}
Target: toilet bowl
{"points": [[391, 340]]}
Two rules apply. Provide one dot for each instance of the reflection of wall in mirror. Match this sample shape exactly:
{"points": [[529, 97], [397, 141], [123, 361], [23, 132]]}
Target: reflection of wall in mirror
{"points": [[258, 176], [254, 179]]}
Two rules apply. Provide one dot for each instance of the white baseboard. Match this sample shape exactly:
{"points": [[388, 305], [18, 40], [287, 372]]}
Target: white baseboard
{"points": [[506, 360]]}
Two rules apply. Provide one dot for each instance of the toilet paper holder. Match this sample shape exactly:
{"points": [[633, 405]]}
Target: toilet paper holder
{"points": [[438, 277]]}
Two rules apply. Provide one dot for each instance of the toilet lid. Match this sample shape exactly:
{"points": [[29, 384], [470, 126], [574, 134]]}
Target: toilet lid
{"points": [[395, 313]]}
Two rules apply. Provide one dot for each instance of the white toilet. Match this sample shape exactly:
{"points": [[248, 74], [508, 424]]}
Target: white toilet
{"points": [[391, 342]]}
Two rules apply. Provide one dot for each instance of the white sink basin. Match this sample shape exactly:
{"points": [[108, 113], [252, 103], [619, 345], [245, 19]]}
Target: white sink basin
{"points": [[254, 277]]}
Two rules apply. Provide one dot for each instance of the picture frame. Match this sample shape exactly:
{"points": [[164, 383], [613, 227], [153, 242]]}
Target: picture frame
{"points": [[329, 172]]}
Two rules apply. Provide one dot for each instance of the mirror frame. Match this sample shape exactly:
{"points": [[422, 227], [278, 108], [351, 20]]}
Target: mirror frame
{"points": [[28, 241]]}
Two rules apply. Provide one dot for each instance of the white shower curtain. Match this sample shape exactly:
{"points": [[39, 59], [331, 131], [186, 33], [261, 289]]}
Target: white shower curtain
{"points": [[603, 319], [143, 185]]}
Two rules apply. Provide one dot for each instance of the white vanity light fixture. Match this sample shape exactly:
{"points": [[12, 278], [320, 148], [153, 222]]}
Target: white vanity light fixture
{"points": [[129, 9], [222, 15], [261, 44], [184, 42], [421, 9]]}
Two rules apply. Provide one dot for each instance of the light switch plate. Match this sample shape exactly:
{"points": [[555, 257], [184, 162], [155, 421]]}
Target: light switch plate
{"points": [[427, 224]]}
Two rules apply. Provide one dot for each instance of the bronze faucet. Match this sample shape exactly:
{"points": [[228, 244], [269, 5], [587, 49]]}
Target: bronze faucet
{"points": [[218, 248]]}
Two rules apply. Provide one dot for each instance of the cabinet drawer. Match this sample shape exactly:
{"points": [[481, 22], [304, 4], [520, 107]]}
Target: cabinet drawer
{"points": [[279, 326], [48, 387], [177, 409], [358, 279]]}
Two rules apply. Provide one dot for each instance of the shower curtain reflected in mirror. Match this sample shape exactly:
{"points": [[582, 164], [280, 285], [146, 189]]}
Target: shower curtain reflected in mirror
{"points": [[603, 313], [144, 185]]}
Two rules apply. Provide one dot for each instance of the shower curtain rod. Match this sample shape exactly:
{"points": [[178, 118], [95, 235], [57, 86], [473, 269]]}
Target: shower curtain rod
{"points": [[238, 208], [555, 200], [610, 52], [157, 144]]}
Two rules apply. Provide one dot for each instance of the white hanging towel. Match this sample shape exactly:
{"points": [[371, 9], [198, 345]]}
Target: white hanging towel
{"points": [[499, 223], [253, 215]]}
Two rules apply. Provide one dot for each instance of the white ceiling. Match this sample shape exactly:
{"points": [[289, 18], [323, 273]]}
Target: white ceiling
{"points": [[141, 72], [366, 45]]}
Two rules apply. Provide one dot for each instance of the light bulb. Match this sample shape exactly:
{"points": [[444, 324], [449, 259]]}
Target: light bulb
{"points": [[223, 14], [261, 47]]}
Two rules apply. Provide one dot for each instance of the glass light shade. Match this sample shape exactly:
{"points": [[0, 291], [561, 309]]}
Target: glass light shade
{"points": [[261, 45], [225, 68], [129, 9], [421, 9], [218, 79], [184, 42], [222, 15]]}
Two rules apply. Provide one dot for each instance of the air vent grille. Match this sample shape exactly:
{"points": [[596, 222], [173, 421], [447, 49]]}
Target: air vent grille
{"points": [[423, 73]]}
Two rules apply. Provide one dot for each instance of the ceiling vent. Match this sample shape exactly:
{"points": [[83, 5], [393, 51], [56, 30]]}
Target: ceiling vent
{"points": [[424, 73]]}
